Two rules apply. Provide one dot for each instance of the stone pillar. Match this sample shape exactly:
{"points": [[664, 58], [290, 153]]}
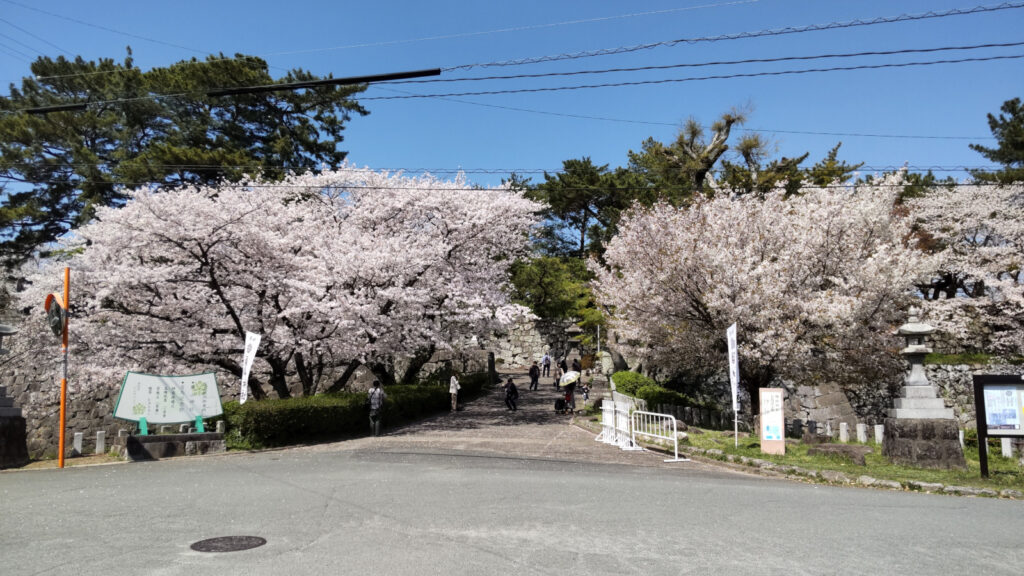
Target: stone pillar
{"points": [[879, 433], [862, 433], [1007, 447], [844, 432], [101, 442], [76, 444]]}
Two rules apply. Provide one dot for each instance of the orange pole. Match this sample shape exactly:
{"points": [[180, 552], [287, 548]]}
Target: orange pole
{"points": [[64, 351]]}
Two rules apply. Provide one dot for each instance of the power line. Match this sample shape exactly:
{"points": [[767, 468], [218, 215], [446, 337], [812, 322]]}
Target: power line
{"points": [[19, 42], [98, 27], [41, 39], [719, 63], [510, 29], [742, 35], [273, 87], [395, 42], [696, 78], [676, 124], [939, 168], [15, 50]]}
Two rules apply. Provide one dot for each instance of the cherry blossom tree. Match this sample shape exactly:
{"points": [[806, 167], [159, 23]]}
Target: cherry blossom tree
{"points": [[815, 282], [333, 270], [977, 234]]}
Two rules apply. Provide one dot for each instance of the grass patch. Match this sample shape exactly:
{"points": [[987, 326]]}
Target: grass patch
{"points": [[952, 359], [1004, 472]]}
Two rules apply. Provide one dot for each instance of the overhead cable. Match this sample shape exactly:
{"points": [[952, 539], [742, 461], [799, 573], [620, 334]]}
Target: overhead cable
{"points": [[742, 35], [719, 63], [697, 78]]}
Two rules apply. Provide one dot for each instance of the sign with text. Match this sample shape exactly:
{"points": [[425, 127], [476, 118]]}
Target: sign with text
{"points": [[168, 399], [252, 343], [1004, 409], [773, 423], [734, 366]]}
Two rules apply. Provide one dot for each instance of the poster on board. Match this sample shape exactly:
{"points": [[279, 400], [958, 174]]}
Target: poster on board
{"points": [[168, 399], [1004, 409], [773, 423]]}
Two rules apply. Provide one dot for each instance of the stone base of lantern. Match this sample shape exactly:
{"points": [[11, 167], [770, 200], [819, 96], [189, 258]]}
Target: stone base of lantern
{"points": [[920, 402], [923, 442]]}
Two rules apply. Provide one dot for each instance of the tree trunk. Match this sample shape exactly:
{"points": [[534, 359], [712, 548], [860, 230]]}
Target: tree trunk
{"points": [[278, 371], [383, 373], [416, 363], [342, 381], [309, 374]]}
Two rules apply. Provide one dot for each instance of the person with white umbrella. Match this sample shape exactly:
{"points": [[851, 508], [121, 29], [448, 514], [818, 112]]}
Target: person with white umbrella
{"points": [[568, 382]]}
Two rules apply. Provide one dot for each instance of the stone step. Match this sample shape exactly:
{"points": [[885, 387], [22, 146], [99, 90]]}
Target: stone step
{"points": [[6, 402], [918, 392], [919, 403], [10, 412], [919, 413]]}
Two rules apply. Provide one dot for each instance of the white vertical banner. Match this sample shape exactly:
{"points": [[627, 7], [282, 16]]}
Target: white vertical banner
{"points": [[734, 366], [734, 380], [252, 342]]}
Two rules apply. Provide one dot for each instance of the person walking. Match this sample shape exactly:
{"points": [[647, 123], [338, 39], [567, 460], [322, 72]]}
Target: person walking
{"points": [[511, 394], [546, 363], [375, 398], [453, 389], [534, 376], [576, 364]]}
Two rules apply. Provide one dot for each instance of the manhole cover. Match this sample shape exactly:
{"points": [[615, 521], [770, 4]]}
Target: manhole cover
{"points": [[228, 544]]}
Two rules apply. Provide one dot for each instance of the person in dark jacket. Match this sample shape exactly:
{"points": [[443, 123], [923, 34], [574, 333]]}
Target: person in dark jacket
{"points": [[534, 376], [511, 394]]}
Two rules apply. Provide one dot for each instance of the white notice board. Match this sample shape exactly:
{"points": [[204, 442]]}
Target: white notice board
{"points": [[168, 399]]}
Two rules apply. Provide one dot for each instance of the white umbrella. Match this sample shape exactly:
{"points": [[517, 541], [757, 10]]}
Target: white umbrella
{"points": [[568, 378]]}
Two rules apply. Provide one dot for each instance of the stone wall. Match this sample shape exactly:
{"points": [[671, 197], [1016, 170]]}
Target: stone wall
{"points": [[37, 390], [956, 386], [527, 341], [825, 403]]}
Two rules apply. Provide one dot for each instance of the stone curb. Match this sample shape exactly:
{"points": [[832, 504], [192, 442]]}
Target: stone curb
{"points": [[834, 477]]}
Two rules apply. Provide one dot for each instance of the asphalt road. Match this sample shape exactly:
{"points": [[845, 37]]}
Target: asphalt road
{"points": [[485, 491]]}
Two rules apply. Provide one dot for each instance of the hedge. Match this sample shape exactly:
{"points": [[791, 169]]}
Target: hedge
{"points": [[327, 417], [629, 382]]}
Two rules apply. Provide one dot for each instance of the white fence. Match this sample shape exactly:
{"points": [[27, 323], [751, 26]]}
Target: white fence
{"points": [[658, 426], [621, 423]]}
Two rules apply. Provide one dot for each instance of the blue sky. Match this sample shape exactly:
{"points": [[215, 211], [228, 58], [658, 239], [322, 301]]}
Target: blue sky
{"points": [[480, 132]]}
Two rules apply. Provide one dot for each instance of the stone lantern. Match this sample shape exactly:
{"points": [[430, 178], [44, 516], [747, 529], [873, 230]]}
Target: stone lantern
{"points": [[573, 333], [918, 398], [920, 430]]}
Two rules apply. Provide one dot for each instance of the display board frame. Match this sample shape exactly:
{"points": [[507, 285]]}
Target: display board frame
{"points": [[992, 387]]}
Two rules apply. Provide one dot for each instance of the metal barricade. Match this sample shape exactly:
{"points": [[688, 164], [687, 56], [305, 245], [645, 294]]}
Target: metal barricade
{"points": [[607, 434], [654, 425], [623, 436]]}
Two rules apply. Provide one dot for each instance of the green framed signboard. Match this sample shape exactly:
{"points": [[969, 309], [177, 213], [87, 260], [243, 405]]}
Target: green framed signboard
{"points": [[154, 399]]}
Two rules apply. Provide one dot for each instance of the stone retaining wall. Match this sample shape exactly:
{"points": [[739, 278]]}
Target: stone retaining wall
{"points": [[956, 386], [527, 341]]}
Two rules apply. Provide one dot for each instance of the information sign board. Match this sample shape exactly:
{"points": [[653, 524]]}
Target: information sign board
{"points": [[168, 399], [773, 423], [998, 409]]}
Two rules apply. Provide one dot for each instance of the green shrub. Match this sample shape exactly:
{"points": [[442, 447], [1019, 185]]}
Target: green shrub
{"points": [[326, 417], [629, 382], [655, 395]]}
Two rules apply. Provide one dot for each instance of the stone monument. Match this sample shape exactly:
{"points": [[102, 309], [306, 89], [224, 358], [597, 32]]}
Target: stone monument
{"points": [[920, 430]]}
